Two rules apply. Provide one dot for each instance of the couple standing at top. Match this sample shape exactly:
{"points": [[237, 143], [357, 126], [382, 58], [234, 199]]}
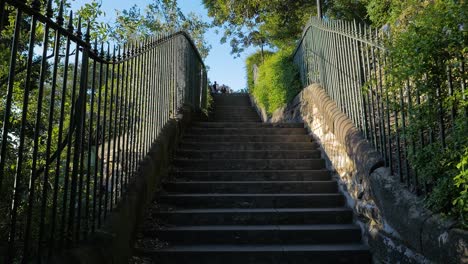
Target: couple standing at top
{"points": [[215, 88]]}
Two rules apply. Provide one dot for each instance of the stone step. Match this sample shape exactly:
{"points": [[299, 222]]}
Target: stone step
{"points": [[232, 101], [251, 187], [234, 112], [253, 175], [246, 131], [194, 145], [256, 216], [240, 102], [236, 119], [224, 118], [244, 125], [239, 111], [260, 254], [233, 108], [255, 200], [249, 164], [257, 234], [248, 138], [249, 154]]}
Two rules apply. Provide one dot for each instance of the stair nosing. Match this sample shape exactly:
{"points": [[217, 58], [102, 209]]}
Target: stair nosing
{"points": [[352, 247], [305, 227], [254, 210]]}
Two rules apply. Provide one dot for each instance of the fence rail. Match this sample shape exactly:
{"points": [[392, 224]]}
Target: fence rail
{"points": [[77, 117], [351, 62]]}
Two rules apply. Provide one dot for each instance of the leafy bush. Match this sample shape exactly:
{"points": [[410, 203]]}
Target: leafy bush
{"points": [[278, 79], [255, 59]]}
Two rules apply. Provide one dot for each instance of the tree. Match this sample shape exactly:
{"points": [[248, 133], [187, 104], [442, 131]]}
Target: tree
{"points": [[160, 17], [258, 23]]}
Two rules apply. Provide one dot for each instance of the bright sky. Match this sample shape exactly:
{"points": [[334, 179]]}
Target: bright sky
{"points": [[224, 69]]}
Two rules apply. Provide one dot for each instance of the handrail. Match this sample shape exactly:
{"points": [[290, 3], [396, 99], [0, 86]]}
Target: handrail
{"points": [[322, 25]]}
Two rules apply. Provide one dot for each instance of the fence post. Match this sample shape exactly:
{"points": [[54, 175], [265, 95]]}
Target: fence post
{"points": [[319, 9]]}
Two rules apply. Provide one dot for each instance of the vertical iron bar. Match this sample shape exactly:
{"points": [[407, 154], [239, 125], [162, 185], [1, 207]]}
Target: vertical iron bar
{"points": [[72, 125], [92, 139], [49, 135], [111, 140], [105, 143], [127, 130], [115, 99], [84, 84], [60, 143], [77, 175], [9, 95], [101, 134], [363, 68], [118, 120], [37, 134], [122, 120], [380, 91], [10, 256]]}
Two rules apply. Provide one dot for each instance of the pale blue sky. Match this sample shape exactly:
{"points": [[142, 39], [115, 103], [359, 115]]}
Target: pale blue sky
{"points": [[223, 67]]}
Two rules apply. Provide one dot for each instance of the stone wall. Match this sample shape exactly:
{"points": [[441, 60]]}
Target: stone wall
{"points": [[395, 223], [113, 243]]}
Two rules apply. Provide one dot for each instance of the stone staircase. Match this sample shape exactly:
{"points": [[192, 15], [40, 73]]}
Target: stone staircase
{"points": [[248, 192]]}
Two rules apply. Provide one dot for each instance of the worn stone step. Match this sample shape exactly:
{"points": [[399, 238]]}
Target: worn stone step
{"points": [[252, 187], [249, 164], [244, 125], [257, 234], [248, 154], [260, 254], [194, 145], [233, 108], [237, 120], [234, 113], [246, 131], [239, 102], [248, 138], [232, 101], [238, 111], [256, 216], [255, 200], [252, 175]]}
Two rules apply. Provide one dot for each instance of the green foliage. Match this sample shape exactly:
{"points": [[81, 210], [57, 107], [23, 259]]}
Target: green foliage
{"points": [[160, 17], [253, 61], [259, 23], [427, 39], [89, 13], [347, 10], [460, 202], [209, 102], [277, 82]]}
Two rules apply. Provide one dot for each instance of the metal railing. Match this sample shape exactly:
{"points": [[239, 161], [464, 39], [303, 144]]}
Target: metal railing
{"points": [[351, 62], [77, 117]]}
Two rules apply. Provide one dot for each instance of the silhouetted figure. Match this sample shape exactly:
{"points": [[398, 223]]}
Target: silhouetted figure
{"points": [[215, 87]]}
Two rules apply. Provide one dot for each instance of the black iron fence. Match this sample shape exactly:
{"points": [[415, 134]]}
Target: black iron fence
{"points": [[351, 62], [77, 117]]}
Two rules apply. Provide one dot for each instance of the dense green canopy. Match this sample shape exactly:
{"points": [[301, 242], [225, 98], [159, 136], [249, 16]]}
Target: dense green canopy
{"points": [[258, 23]]}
